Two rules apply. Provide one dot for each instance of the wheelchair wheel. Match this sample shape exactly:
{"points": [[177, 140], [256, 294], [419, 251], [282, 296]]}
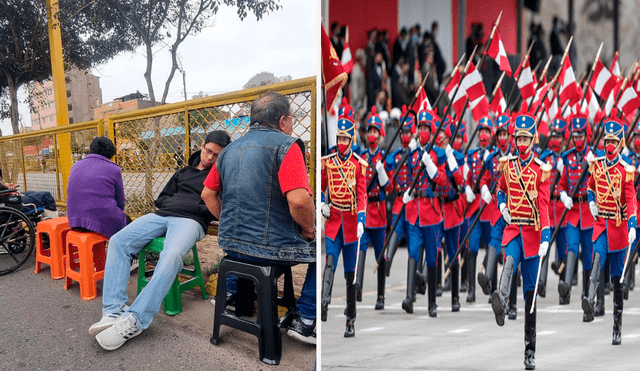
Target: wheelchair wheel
{"points": [[17, 239]]}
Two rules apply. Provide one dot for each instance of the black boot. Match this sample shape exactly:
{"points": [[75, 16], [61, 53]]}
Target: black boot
{"points": [[360, 276], [455, 280], [542, 285], [431, 273], [499, 297], [421, 274], [471, 270], [529, 332], [438, 267], [574, 280], [625, 285], [407, 304], [599, 309], [585, 290], [350, 330], [327, 285], [607, 274], [513, 297], [446, 286], [594, 282], [564, 287], [463, 275], [617, 311], [484, 279], [393, 246], [381, 282]]}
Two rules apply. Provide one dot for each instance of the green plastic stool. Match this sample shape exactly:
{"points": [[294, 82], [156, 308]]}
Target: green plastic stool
{"points": [[172, 303]]}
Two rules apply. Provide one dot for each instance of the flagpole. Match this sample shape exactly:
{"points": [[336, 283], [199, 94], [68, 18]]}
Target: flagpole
{"points": [[435, 104], [593, 68], [516, 78]]}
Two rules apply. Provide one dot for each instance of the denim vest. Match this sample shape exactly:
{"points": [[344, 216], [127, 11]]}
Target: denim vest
{"points": [[255, 219]]}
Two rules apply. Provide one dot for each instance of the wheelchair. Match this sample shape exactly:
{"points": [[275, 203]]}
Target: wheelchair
{"points": [[17, 230]]}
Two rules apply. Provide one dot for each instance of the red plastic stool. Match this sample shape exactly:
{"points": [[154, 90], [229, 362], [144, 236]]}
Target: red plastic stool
{"points": [[52, 253], [86, 257]]}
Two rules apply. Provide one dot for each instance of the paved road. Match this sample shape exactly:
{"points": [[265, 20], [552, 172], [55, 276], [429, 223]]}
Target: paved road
{"points": [[391, 339], [45, 327]]}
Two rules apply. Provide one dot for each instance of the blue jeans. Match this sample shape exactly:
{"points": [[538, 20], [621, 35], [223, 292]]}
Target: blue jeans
{"points": [[529, 265], [181, 235], [306, 304]]}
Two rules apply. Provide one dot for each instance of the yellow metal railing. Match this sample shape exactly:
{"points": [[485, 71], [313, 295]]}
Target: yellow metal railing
{"points": [[152, 143]]}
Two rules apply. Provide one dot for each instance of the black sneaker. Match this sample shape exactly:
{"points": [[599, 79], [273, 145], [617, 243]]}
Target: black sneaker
{"points": [[301, 332]]}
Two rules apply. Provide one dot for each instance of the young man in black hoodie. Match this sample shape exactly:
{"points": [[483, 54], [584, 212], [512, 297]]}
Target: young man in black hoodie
{"points": [[182, 217]]}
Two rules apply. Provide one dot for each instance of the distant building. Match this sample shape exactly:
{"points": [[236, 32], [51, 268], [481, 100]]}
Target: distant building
{"points": [[83, 96], [265, 78], [129, 102]]}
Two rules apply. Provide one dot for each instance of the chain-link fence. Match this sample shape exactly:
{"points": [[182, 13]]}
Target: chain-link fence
{"points": [[152, 143]]}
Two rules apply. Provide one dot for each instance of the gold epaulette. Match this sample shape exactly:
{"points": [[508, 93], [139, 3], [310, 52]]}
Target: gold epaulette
{"points": [[504, 160], [631, 171], [363, 164], [324, 159], [545, 168]]}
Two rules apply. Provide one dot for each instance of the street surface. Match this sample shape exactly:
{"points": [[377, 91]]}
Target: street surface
{"points": [[392, 339]]}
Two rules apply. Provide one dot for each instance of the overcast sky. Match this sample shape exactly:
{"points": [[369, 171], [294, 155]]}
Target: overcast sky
{"points": [[220, 59]]}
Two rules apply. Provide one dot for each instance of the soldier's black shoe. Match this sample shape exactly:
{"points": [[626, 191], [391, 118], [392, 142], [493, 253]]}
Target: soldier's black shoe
{"points": [[529, 360], [498, 309], [439, 291], [471, 297], [421, 284], [433, 311], [455, 304], [542, 291], [561, 300], [564, 289], [483, 282], [380, 303], [588, 310], [598, 310], [617, 338], [513, 312], [350, 330], [407, 305], [463, 286], [554, 267]]}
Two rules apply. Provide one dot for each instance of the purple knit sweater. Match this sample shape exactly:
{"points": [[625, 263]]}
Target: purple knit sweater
{"points": [[95, 195]]}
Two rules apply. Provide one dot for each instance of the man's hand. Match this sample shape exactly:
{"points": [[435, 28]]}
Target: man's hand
{"points": [[451, 159], [590, 157], [505, 213], [383, 178], [566, 200], [326, 210], [360, 229], [560, 165], [486, 194], [469, 193], [544, 247], [432, 169], [594, 210], [632, 235], [406, 198]]}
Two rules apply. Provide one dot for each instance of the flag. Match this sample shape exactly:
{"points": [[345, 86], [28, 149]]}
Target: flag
{"points": [[569, 90], [498, 103], [602, 81], [479, 108], [525, 81], [552, 108], [609, 104], [497, 52], [629, 101], [333, 74], [422, 103], [540, 96], [615, 66], [347, 58], [458, 101], [472, 83], [591, 106]]}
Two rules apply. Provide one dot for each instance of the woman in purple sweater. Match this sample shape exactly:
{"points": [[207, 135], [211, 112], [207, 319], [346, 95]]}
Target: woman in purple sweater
{"points": [[95, 195]]}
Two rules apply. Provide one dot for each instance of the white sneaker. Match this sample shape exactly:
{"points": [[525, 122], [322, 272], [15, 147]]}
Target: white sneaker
{"points": [[106, 321], [122, 330]]}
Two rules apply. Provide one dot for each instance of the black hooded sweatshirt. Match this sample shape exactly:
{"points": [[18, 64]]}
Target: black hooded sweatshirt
{"points": [[181, 195]]}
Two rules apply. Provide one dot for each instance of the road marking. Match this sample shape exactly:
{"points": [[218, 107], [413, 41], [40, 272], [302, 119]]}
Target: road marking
{"points": [[459, 331], [546, 333], [372, 329], [631, 336]]}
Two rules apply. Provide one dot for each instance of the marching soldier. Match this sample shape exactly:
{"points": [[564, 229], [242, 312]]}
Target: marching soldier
{"points": [[343, 182], [553, 156], [423, 211], [376, 221], [482, 229], [612, 202], [523, 197], [579, 219]]}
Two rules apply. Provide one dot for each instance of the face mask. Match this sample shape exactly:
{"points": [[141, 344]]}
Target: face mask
{"points": [[611, 151], [523, 150], [484, 139], [405, 139], [424, 137], [457, 144], [579, 144], [555, 143], [373, 140], [502, 143], [636, 144], [342, 148]]}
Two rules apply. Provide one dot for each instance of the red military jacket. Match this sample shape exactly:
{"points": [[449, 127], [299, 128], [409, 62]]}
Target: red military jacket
{"points": [[556, 207], [376, 206], [474, 161], [452, 204], [580, 212], [491, 176], [402, 181], [612, 187], [424, 210], [343, 181], [525, 185]]}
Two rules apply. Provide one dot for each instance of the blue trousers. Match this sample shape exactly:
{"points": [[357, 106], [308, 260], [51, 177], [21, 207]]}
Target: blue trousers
{"points": [[561, 242], [402, 228], [576, 238], [529, 265], [496, 235], [616, 258], [375, 237], [451, 239], [427, 237], [482, 230], [334, 247]]}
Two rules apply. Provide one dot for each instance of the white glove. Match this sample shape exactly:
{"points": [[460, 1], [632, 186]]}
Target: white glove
{"points": [[432, 169], [594, 209], [544, 247], [505, 213], [590, 156], [486, 154], [469, 193], [406, 198], [413, 144], [632, 235], [360, 229], [382, 174], [451, 159], [448, 150], [486, 194], [625, 152], [326, 210], [560, 165], [465, 171], [566, 200]]}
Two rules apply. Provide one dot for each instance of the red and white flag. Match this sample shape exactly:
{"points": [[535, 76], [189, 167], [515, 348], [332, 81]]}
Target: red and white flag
{"points": [[498, 103], [497, 52], [569, 90], [540, 96], [552, 104], [347, 58], [629, 101], [615, 66], [479, 108], [472, 83], [422, 103], [525, 81], [591, 106], [609, 104], [458, 100], [602, 81], [333, 74]]}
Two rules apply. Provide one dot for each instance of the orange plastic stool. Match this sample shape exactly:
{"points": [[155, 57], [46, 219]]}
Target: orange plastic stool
{"points": [[56, 229], [86, 257]]}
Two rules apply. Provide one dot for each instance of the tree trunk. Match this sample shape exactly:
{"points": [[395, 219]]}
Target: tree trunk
{"points": [[174, 67], [147, 73], [13, 96]]}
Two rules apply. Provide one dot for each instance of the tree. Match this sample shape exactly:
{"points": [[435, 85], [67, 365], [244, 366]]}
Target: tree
{"points": [[89, 36], [174, 21]]}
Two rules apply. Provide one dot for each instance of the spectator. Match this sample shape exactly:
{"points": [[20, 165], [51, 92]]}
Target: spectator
{"points": [[402, 91], [400, 45], [538, 51], [438, 60], [182, 217], [95, 194], [554, 37], [335, 39], [260, 192], [358, 83], [375, 77]]}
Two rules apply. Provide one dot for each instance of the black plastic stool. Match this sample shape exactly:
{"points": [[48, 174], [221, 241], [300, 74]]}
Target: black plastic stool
{"points": [[266, 327]]}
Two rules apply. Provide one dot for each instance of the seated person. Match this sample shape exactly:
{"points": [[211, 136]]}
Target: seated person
{"points": [[95, 195], [42, 200], [182, 217]]}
